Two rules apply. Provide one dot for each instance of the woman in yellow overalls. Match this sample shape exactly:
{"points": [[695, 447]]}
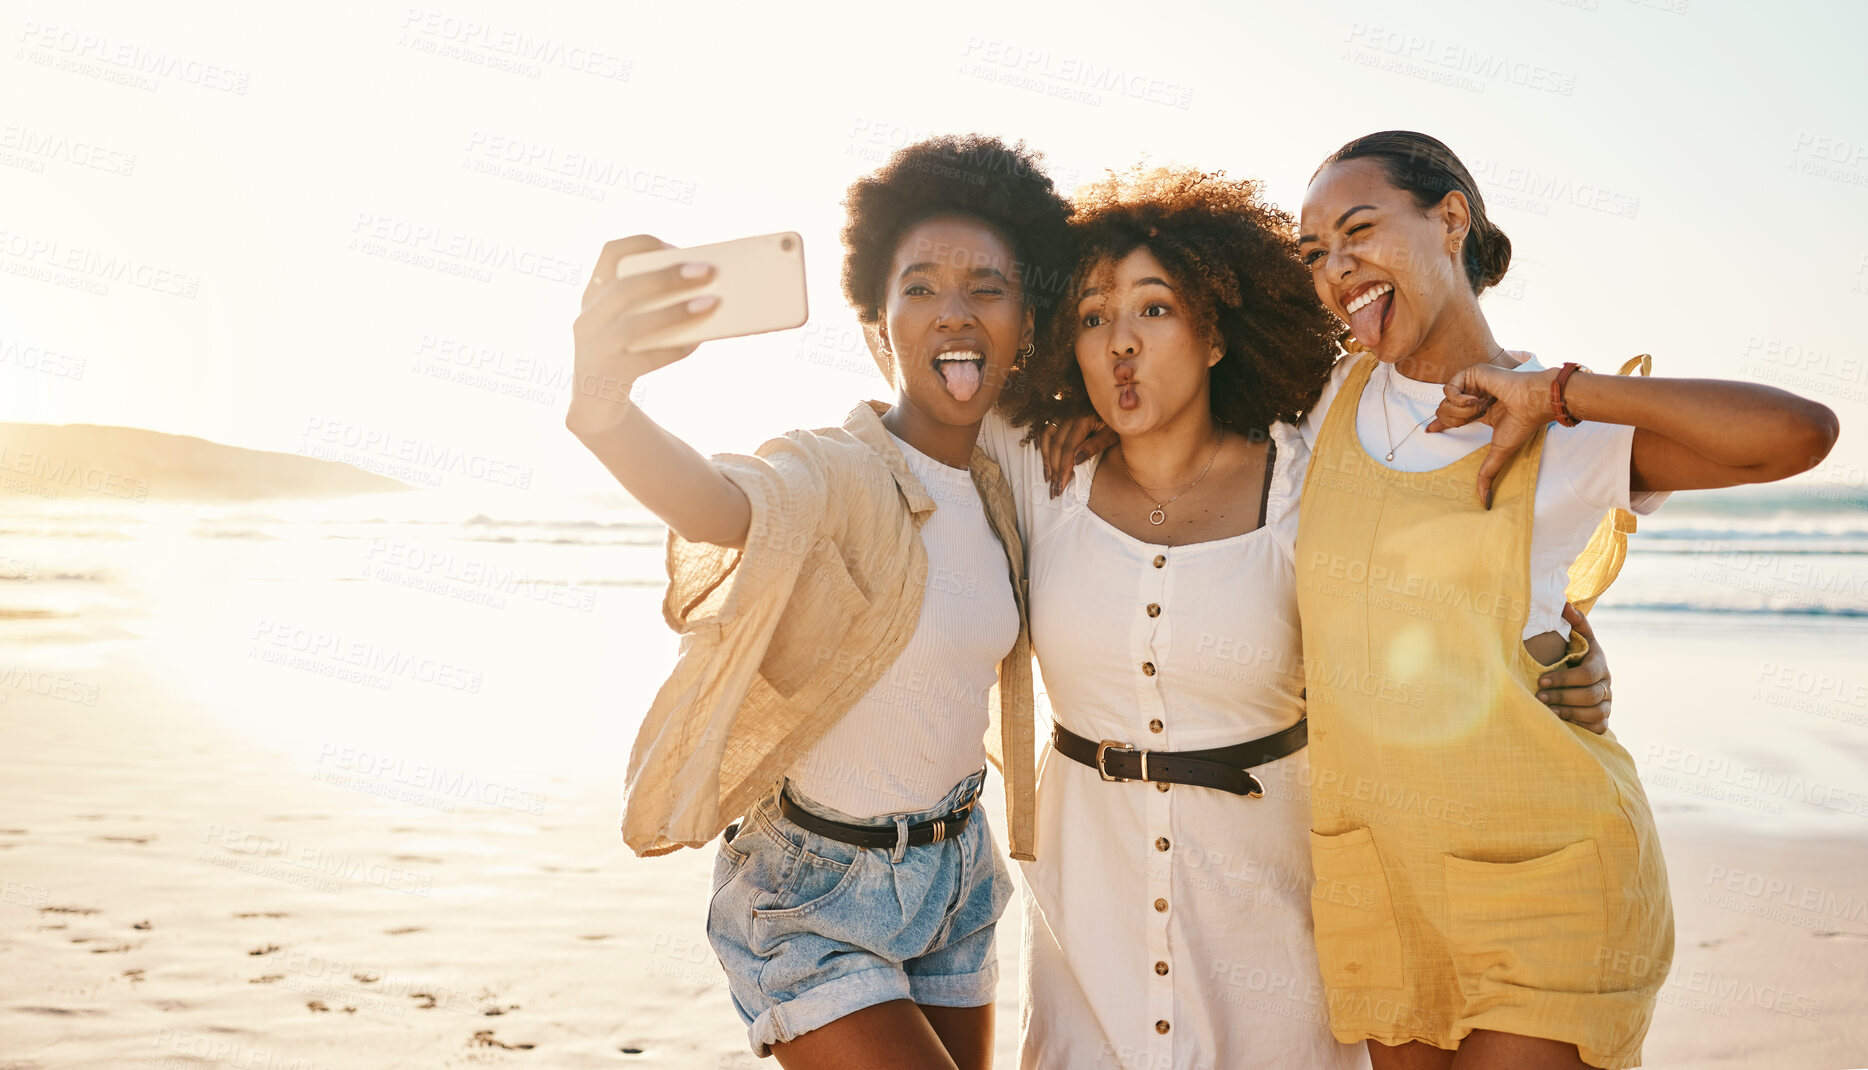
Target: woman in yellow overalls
{"points": [[1489, 883]]}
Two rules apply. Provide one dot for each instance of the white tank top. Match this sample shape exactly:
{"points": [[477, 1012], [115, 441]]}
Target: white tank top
{"points": [[922, 728]]}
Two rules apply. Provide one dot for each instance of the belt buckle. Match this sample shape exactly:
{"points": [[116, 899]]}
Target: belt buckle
{"points": [[958, 814], [1258, 788], [1102, 769]]}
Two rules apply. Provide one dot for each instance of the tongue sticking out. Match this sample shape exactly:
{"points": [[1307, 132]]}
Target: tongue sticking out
{"points": [[961, 377], [1367, 321]]}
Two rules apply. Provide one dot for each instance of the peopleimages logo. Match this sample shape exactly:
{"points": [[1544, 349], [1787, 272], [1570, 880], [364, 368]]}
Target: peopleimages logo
{"points": [[97, 268], [400, 456], [1455, 63]]}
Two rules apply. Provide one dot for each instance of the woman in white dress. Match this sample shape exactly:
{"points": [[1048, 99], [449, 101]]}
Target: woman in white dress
{"points": [[1168, 920]]}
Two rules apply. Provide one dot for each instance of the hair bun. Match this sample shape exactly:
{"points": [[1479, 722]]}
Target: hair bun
{"points": [[1488, 256]]}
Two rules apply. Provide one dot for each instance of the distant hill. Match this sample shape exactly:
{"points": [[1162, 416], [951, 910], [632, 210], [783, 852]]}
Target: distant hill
{"points": [[89, 461]]}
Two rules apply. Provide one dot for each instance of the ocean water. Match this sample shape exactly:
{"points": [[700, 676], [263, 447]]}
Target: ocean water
{"points": [[519, 639]]}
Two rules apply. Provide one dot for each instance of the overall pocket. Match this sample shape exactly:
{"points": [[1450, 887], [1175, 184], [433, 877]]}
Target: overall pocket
{"points": [[1358, 940], [1538, 924]]}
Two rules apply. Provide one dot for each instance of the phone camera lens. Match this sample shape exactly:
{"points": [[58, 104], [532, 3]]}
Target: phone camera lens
{"points": [[785, 244]]}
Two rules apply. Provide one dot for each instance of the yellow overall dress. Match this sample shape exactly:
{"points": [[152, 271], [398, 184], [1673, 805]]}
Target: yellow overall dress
{"points": [[1480, 863]]}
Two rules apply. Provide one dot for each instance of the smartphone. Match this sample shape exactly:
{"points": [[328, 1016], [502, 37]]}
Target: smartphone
{"points": [[759, 281]]}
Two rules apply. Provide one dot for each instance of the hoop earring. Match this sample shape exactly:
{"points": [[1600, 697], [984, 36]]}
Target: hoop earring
{"points": [[1025, 353]]}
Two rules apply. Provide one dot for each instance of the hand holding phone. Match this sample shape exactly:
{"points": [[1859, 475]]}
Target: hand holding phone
{"points": [[758, 283], [648, 304]]}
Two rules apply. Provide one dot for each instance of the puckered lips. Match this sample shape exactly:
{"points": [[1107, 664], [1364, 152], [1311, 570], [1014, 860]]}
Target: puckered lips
{"points": [[1126, 397], [961, 365], [1370, 307]]}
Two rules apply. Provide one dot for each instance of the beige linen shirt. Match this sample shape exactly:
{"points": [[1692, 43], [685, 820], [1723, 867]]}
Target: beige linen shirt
{"points": [[780, 639]]}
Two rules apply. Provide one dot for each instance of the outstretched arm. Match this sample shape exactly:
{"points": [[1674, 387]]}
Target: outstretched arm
{"points": [[668, 476], [1689, 433]]}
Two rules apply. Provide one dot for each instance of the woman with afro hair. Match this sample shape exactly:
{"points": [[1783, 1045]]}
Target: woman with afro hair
{"points": [[851, 605], [1168, 920]]}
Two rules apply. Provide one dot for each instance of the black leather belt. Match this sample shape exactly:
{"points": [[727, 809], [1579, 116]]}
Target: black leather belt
{"points": [[1225, 768], [882, 836]]}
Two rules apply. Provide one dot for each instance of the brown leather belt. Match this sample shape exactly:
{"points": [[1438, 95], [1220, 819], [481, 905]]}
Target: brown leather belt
{"points": [[1225, 768]]}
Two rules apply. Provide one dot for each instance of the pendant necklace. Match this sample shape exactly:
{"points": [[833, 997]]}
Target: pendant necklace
{"points": [[1159, 515], [1389, 430]]}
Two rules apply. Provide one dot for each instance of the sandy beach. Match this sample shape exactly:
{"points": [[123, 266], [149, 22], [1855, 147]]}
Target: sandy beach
{"points": [[220, 846]]}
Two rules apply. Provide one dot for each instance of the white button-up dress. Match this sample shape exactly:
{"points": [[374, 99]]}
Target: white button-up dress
{"points": [[1167, 930]]}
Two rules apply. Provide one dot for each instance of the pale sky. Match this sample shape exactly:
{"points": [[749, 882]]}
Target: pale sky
{"points": [[247, 187]]}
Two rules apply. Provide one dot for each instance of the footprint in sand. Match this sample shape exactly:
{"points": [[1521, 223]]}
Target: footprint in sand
{"points": [[144, 925], [118, 949], [366, 978], [60, 1011], [67, 910], [495, 1011], [267, 950], [428, 1006], [404, 931], [418, 858], [135, 976], [595, 936], [261, 914], [266, 979], [485, 1039], [137, 840]]}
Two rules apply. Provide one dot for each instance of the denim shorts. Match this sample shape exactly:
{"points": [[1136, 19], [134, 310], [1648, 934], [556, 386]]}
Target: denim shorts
{"points": [[811, 929]]}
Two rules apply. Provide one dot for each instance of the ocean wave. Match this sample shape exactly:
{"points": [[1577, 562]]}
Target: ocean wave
{"points": [[1740, 611], [1775, 544], [627, 581], [566, 540], [483, 520], [234, 533]]}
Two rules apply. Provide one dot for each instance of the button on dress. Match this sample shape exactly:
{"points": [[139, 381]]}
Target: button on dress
{"points": [[1167, 929]]}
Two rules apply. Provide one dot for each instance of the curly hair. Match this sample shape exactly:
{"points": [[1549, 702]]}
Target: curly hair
{"points": [[1234, 260], [1001, 185]]}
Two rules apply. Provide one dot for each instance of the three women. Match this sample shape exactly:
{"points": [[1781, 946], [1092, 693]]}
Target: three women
{"points": [[1168, 924]]}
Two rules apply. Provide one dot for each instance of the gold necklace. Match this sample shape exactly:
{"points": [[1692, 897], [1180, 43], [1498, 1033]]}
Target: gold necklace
{"points": [[1159, 515], [1389, 429]]}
